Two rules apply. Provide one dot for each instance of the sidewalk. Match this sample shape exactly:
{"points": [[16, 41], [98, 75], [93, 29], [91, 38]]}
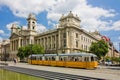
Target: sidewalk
{"points": [[101, 72]]}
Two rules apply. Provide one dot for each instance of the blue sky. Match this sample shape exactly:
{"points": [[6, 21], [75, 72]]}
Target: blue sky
{"points": [[101, 15]]}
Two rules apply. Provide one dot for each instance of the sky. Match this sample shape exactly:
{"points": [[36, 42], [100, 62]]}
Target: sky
{"points": [[100, 15]]}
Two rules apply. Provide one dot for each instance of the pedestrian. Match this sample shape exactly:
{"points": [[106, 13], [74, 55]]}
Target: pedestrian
{"points": [[14, 60]]}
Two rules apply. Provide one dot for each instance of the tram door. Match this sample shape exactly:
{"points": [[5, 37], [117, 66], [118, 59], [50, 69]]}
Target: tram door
{"points": [[87, 61]]}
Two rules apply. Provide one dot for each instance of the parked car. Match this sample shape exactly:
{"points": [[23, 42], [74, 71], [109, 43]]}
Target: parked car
{"points": [[108, 63]]}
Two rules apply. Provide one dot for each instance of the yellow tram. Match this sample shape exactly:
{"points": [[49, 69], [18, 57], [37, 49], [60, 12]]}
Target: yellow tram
{"points": [[76, 60]]}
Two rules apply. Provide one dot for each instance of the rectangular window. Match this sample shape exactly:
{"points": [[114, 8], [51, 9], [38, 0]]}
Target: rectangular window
{"points": [[50, 46], [76, 35], [64, 35], [64, 43], [82, 46], [76, 43], [81, 37], [54, 45]]}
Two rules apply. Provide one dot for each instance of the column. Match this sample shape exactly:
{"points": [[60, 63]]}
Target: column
{"points": [[17, 44], [59, 40], [14, 45], [55, 42], [51, 42], [19, 40], [44, 43], [67, 42], [10, 46]]}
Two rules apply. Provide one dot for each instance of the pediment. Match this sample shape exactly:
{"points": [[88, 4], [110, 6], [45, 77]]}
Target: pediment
{"points": [[14, 36]]}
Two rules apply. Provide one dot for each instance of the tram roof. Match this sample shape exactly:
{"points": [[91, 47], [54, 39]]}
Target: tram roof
{"points": [[50, 54], [37, 55], [71, 54], [78, 54]]}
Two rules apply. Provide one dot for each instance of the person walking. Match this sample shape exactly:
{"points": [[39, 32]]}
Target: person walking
{"points": [[14, 59]]}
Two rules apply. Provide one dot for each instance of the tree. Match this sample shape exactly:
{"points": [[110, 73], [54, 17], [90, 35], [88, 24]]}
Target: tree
{"points": [[116, 59], [37, 49], [21, 52], [99, 48], [25, 51]]}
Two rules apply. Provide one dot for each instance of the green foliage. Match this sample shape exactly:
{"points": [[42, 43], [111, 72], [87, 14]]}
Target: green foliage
{"points": [[99, 48], [37, 49], [21, 52], [25, 51], [107, 58], [116, 59]]}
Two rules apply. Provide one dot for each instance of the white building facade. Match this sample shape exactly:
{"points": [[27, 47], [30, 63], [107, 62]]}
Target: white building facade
{"points": [[69, 37]]}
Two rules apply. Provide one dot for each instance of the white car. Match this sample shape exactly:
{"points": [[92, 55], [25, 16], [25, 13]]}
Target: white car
{"points": [[108, 63]]}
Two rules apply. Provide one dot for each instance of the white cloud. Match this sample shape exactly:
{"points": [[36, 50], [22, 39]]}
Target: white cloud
{"points": [[24, 27], [41, 28], [116, 45], [22, 8], [119, 37], [90, 16], [116, 25], [8, 26], [1, 32]]}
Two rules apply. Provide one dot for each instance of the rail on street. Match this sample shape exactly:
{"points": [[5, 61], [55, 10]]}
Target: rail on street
{"points": [[48, 74], [62, 73]]}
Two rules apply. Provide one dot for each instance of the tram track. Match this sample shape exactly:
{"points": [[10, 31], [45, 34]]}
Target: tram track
{"points": [[48, 75]]}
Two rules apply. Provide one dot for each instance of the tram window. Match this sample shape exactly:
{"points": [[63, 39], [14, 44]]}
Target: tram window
{"points": [[80, 58], [95, 58], [37, 58], [53, 58], [40, 58], [76, 59], [86, 59], [33, 58], [46, 58], [92, 58], [71, 58], [64, 59], [49, 58], [61, 59]]}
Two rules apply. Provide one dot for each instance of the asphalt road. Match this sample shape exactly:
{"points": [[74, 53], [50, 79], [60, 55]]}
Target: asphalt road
{"points": [[48, 75]]}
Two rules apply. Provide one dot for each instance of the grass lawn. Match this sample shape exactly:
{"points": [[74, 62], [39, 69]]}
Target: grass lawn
{"points": [[9, 75]]}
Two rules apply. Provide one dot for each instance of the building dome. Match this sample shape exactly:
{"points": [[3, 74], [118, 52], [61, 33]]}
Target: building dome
{"points": [[62, 17], [70, 14], [13, 26], [31, 16]]}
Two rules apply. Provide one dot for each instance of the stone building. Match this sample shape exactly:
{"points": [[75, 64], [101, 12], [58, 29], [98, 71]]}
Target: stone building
{"points": [[68, 37], [5, 50], [112, 52]]}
